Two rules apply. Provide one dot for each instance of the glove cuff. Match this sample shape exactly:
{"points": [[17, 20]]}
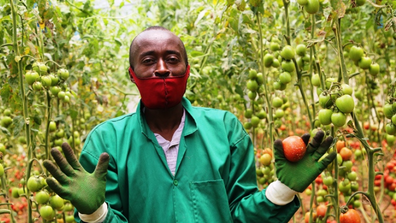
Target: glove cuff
{"points": [[279, 194], [98, 216]]}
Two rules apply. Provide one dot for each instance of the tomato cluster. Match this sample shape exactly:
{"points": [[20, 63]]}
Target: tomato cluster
{"points": [[265, 168]]}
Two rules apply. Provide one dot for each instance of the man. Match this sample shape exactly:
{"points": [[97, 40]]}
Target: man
{"points": [[171, 162]]}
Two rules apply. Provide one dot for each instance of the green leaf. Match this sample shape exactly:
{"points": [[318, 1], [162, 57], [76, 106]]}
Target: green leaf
{"points": [[5, 131], [19, 123], [73, 114]]}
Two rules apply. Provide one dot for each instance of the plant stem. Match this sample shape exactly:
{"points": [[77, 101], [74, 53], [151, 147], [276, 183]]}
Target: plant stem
{"points": [[262, 69], [311, 202], [47, 130]]}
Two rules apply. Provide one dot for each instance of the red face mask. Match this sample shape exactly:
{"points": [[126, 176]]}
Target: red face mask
{"points": [[161, 92]]}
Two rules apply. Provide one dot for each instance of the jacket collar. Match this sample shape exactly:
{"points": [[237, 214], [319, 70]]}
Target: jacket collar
{"points": [[190, 125]]}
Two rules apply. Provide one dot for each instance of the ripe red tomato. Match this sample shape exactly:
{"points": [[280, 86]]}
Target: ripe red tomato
{"points": [[346, 153], [352, 216], [321, 210], [294, 148], [340, 144]]}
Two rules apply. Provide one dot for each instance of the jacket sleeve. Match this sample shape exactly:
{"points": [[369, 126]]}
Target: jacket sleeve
{"points": [[247, 202], [96, 144]]}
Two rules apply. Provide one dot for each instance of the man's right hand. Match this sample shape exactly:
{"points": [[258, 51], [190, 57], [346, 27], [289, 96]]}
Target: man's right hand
{"points": [[86, 191]]}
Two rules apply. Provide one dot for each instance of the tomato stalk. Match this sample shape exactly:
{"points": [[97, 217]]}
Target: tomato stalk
{"points": [[311, 202], [21, 82], [4, 188], [371, 173], [286, 7], [266, 91], [47, 130]]}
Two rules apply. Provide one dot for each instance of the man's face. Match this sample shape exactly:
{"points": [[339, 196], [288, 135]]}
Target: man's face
{"points": [[158, 53]]}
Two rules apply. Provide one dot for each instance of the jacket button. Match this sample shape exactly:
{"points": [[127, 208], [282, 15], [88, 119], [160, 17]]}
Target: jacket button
{"points": [[175, 182]]}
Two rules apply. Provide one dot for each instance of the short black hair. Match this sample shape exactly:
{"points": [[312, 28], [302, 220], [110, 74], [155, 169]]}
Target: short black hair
{"points": [[154, 28]]}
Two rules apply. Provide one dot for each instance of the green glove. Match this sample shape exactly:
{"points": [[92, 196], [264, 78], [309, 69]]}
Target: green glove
{"points": [[299, 175], [84, 190]]}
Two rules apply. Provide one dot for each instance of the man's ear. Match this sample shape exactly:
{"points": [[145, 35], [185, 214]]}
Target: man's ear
{"points": [[130, 75]]}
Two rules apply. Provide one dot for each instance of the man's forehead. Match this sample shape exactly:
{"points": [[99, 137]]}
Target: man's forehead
{"points": [[156, 36]]}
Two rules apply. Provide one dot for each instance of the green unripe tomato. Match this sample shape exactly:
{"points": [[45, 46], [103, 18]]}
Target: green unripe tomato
{"points": [[43, 68], [330, 81], [255, 121], [356, 53], [42, 197], [275, 63], [61, 95], [31, 77], [63, 74], [345, 103], [274, 46], [248, 113], [247, 125], [55, 90], [279, 113], [56, 202], [287, 52], [390, 129], [52, 126], [37, 86], [260, 78], [46, 81], [54, 79], [34, 184], [388, 111], [252, 85], [347, 89], [47, 213], [285, 77], [338, 119], [374, 69], [301, 50], [325, 100], [277, 102], [324, 116], [312, 6], [268, 60], [365, 62], [1, 170], [15, 192], [2, 148], [68, 207], [252, 95], [252, 74], [261, 114], [288, 65], [6, 121]]}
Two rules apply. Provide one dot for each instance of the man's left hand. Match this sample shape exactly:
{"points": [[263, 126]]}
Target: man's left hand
{"points": [[299, 175]]}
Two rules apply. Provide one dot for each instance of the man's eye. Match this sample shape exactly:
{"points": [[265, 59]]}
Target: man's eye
{"points": [[173, 59], [146, 61]]}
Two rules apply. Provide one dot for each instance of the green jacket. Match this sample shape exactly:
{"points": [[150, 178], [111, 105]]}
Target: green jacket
{"points": [[214, 182]]}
